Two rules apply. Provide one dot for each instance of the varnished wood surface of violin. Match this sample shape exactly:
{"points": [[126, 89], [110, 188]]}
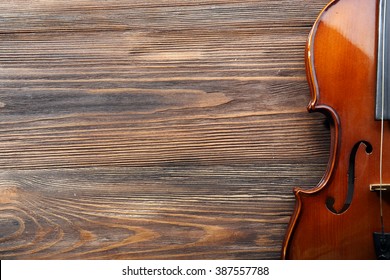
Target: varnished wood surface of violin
{"points": [[337, 219]]}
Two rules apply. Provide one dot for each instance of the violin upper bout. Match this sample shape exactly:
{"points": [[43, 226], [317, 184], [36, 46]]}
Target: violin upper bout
{"points": [[310, 73], [340, 53], [309, 62]]}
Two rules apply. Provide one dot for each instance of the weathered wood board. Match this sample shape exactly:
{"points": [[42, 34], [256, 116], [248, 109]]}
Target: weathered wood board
{"points": [[154, 129]]}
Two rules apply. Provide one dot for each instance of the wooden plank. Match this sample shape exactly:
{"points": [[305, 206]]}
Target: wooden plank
{"points": [[154, 129]]}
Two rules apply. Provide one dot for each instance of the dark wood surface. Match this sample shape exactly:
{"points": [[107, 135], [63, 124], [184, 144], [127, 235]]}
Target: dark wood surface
{"points": [[154, 129]]}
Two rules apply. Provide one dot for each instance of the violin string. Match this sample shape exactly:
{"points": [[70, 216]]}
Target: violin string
{"points": [[382, 114]]}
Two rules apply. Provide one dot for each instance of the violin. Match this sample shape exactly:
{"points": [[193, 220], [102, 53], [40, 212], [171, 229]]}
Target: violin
{"points": [[347, 215]]}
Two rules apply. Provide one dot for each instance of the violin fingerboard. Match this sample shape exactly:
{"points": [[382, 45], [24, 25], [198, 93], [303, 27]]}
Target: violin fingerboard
{"points": [[383, 63]]}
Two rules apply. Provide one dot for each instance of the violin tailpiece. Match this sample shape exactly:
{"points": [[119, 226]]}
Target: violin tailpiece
{"points": [[382, 245]]}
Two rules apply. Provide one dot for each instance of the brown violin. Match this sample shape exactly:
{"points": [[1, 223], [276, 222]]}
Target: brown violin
{"points": [[347, 216]]}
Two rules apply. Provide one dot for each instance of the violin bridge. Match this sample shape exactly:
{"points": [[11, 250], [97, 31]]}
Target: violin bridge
{"points": [[379, 187]]}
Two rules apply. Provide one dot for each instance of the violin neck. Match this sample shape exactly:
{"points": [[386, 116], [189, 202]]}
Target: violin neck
{"points": [[383, 62]]}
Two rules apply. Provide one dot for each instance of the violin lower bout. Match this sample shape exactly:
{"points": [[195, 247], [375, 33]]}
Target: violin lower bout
{"points": [[322, 234]]}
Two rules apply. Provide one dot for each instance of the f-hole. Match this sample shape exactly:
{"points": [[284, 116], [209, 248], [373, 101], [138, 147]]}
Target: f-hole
{"points": [[351, 179]]}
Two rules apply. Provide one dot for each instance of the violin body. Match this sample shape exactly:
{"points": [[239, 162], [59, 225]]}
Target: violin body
{"points": [[337, 219]]}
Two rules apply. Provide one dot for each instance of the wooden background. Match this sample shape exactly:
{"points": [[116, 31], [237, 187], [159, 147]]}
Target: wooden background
{"points": [[170, 129]]}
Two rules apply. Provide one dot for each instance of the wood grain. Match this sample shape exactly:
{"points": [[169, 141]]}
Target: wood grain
{"points": [[154, 129]]}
